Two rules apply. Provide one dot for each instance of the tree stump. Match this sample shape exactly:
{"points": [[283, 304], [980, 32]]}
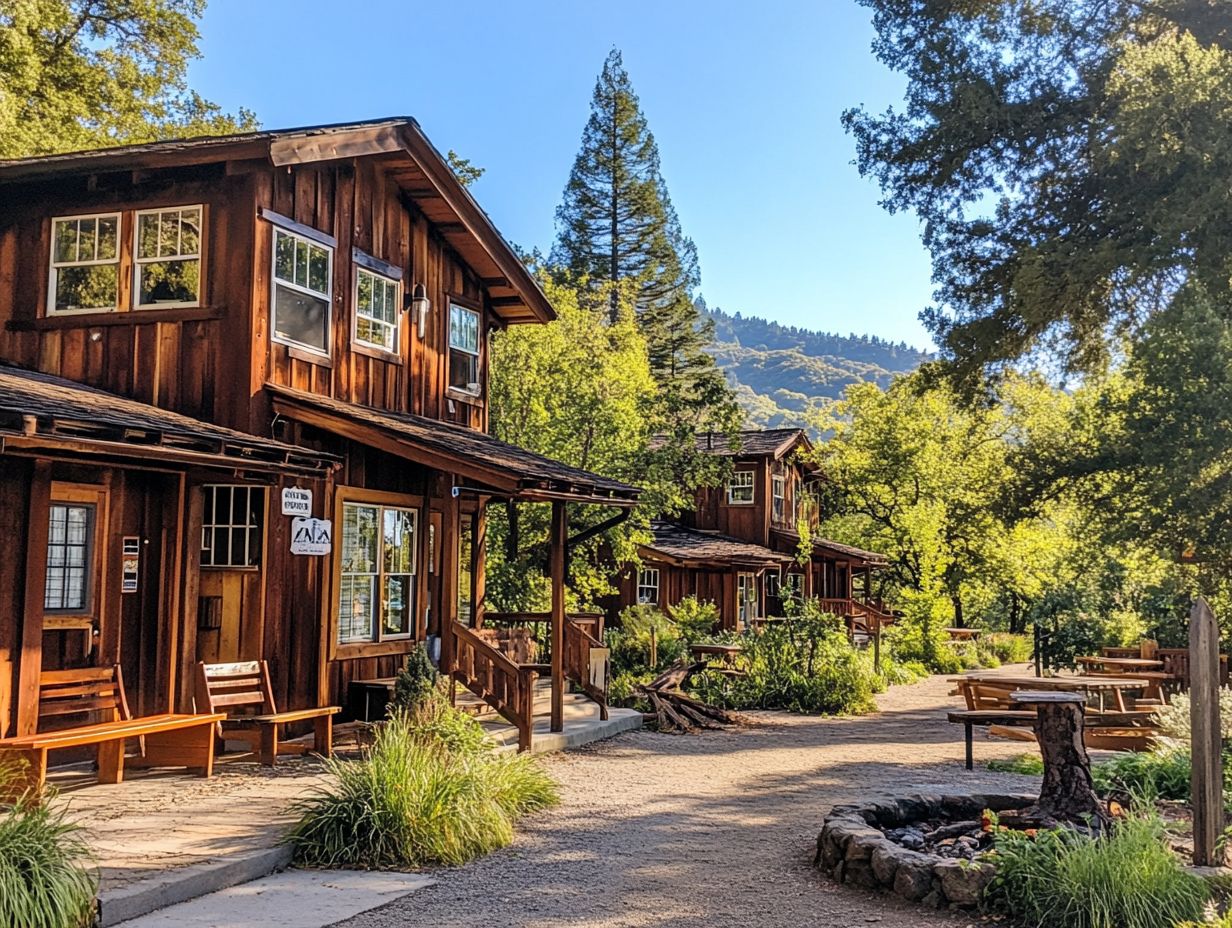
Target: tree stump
{"points": [[1068, 792]]}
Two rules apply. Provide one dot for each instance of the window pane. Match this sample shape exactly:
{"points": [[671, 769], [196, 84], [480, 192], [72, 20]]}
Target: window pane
{"points": [[147, 235], [69, 539], [92, 287], [107, 234], [357, 608], [359, 538], [364, 297], [190, 231], [170, 281], [301, 263], [399, 541], [85, 240], [169, 233], [463, 329], [284, 257], [300, 318], [396, 613], [463, 371], [318, 276], [65, 236]]}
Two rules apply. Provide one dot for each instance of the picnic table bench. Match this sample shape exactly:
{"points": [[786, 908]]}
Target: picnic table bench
{"points": [[1022, 718], [963, 634], [722, 655], [167, 740], [245, 687]]}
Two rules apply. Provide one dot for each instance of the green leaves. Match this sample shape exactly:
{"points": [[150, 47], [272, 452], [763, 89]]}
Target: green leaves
{"points": [[78, 74]]}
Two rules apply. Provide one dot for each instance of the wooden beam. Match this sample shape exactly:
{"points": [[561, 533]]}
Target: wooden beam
{"points": [[560, 535], [332, 146], [1206, 787], [32, 612]]}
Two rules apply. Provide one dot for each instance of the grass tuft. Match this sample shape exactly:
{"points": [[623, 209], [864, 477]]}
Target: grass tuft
{"points": [[1028, 764], [43, 883]]}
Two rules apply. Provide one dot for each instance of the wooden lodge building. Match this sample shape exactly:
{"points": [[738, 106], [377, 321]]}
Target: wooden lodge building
{"points": [[740, 545], [243, 414]]}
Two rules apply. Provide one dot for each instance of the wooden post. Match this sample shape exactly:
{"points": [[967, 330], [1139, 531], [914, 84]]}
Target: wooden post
{"points": [[557, 562], [877, 644], [1207, 778], [31, 663]]}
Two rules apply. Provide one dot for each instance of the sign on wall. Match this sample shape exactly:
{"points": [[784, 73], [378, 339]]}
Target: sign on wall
{"points": [[311, 536], [130, 551], [296, 502]]}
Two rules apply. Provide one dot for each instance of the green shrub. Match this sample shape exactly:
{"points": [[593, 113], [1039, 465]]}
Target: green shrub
{"points": [[1174, 717], [1146, 776], [630, 644], [416, 682], [696, 620], [43, 882], [430, 790], [803, 664], [1028, 764], [1008, 648], [1129, 879]]}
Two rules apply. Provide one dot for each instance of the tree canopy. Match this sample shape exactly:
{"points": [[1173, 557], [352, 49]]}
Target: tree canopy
{"points": [[78, 74], [1069, 162]]}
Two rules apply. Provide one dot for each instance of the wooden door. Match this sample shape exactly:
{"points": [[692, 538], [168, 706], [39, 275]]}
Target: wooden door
{"points": [[231, 591]]}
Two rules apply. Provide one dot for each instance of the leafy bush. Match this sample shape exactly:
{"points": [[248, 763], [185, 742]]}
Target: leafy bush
{"points": [[1145, 777], [43, 883], [1174, 717], [1008, 648], [920, 637], [416, 682], [696, 620], [430, 790], [630, 644], [804, 664], [1027, 764], [1128, 879]]}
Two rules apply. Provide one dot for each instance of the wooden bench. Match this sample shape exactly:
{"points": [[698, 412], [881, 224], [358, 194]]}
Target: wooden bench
{"points": [[168, 740], [1103, 725], [245, 688]]}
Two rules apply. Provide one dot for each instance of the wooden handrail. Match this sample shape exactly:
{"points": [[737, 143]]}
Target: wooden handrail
{"points": [[506, 686], [578, 646]]}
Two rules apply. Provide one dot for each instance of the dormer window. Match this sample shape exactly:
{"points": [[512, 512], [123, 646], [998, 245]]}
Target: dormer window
{"points": [[464, 350], [85, 264], [740, 488], [303, 270]]}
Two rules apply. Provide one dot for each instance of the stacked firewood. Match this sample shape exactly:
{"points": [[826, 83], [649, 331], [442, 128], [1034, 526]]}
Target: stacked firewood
{"points": [[674, 711]]}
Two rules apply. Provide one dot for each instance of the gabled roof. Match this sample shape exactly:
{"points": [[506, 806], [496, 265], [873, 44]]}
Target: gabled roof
{"points": [[422, 173], [755, 443], [41, 412], [871, 558], [502, 468], [690, 547]]}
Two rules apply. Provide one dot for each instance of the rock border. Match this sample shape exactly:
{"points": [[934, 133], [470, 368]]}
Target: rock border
{"points": [[852, 848]]}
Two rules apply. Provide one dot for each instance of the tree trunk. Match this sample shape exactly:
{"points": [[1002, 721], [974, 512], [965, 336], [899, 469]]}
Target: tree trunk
{"points": [[1016, 615], [1068, 792], [956, 599]]}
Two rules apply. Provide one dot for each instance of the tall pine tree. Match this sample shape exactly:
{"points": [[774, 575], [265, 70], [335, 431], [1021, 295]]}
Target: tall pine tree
{"points": [[617, 228]]}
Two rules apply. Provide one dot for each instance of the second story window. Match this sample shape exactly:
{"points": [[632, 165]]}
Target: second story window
{"points": [[463, 349], [168, 257], [303, 270], [648, 587], [376, 310], [740, 488], [85, 264], [778, 498]]}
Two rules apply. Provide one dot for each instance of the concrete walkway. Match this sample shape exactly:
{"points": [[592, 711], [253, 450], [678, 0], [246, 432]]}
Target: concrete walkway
{"points": [[711, 831], [162, 838]]}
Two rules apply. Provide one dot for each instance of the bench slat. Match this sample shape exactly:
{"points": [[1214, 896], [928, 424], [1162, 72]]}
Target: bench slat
{"points": [[238, 699], [278, 718], [107, 731]]}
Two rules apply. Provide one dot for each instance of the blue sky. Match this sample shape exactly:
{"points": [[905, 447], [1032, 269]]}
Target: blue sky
{"points": [[744, 100]]}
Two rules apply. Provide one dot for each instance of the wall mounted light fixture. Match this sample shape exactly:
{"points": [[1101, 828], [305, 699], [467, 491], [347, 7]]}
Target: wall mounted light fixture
{"points": [[420, 306]]}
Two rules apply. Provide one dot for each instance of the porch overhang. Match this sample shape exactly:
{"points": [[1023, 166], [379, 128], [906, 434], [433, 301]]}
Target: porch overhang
{"points": [[488, 465], [858, 557], [46, 416], [685, 547]]}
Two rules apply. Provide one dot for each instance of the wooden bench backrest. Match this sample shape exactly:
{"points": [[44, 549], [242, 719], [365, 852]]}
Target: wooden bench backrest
{"points": [[1148, 649], [86, 690], [1176, 662], [985, 696], [237, 689]]}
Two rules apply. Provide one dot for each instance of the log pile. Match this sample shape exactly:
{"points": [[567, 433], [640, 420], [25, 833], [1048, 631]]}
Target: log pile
{"points": [[674, 711]]}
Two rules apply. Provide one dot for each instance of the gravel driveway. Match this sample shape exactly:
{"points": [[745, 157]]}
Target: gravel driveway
{"points": [[710, 830]]}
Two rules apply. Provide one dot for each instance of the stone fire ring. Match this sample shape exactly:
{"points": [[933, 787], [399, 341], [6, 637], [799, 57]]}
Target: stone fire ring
{"points": [[853, 849]]}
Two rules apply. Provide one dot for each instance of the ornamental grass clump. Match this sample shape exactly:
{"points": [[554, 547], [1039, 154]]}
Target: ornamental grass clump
{"points": [[430, 790], [1127, 879], [44, 882]]}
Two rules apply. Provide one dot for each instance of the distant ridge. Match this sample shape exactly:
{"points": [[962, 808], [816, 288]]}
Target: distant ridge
{"points": [[779, 372]]}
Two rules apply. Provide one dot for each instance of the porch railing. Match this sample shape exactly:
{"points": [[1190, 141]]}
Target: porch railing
{"points": [[506, 686], [583, 635]]}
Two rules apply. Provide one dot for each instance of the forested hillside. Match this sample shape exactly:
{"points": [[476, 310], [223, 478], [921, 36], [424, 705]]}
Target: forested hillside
{"points": [[780, 371]]}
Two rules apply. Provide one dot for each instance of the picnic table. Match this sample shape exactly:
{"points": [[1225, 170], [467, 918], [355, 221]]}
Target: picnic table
{"points": [[1115, 665], [963, 634], [1097, 685], [723, 655]]}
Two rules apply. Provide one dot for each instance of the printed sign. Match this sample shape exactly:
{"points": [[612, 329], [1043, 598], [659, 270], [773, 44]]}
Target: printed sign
{"points": [[130, 550], [311, 536], [296, 502]]}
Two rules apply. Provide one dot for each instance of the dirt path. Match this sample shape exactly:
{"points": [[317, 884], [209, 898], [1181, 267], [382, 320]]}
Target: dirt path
{"points": [[711, 830]]}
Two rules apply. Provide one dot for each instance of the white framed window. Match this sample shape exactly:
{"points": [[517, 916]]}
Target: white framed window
{"points": [[774, 583], [232, 526], [648, 586], [740, 488], [794, 583], [70, 557], [377, 310], [377, 578], [463, 349], [303, 270], [778, 498], [167, 257], [746, 596], [85, 264]]}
